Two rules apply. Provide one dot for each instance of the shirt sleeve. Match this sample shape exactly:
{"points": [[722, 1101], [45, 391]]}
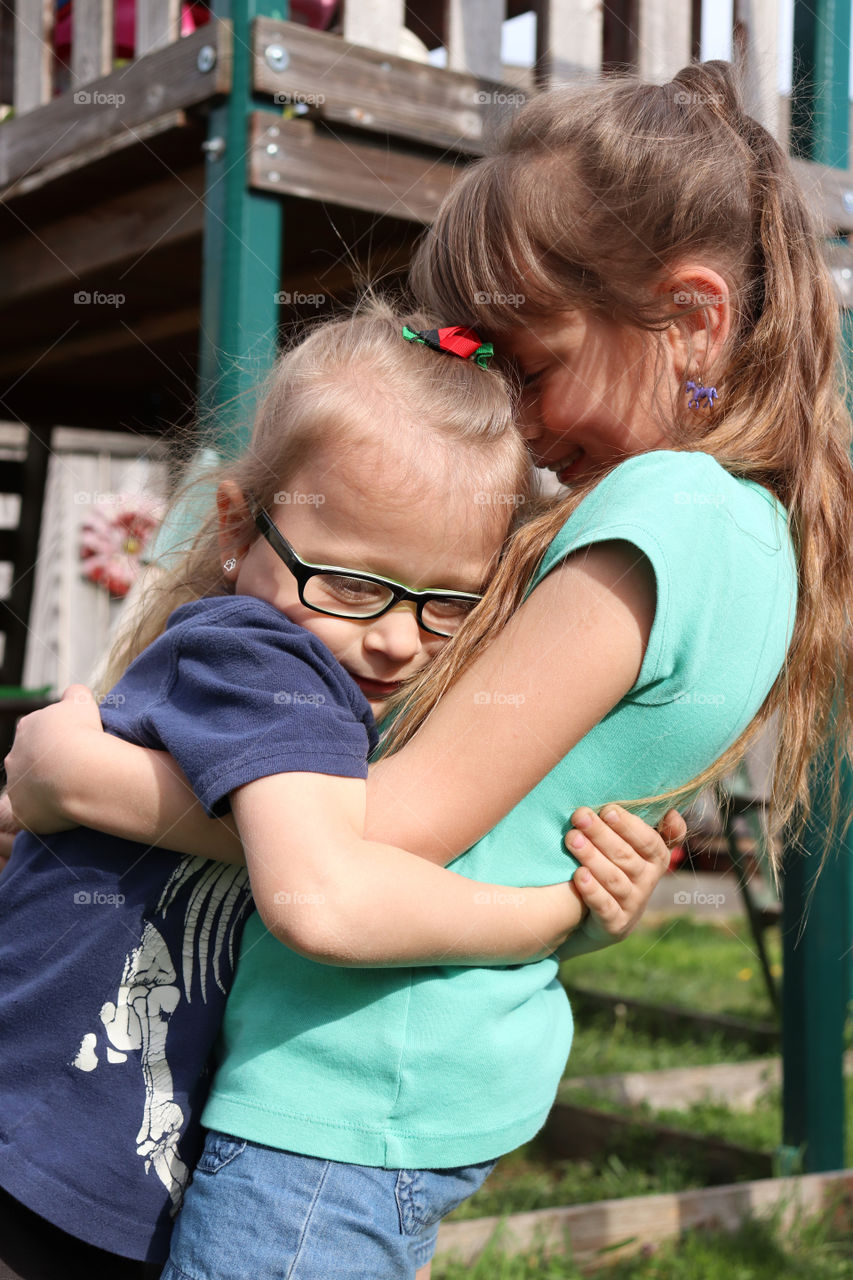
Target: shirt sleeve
{"points": [[243, 698], [719, 549]]}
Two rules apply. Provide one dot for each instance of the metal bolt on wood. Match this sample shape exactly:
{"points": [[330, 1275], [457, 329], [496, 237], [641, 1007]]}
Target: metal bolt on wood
{"points": [[206, 59], [276, 57]]}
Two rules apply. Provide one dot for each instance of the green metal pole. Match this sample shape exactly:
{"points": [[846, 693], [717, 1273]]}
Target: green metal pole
{"points": [[242, 250], [241, 276], [818, 910]]}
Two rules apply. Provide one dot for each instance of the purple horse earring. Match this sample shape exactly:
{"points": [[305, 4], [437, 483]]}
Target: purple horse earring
{"points": [[700, 397]]}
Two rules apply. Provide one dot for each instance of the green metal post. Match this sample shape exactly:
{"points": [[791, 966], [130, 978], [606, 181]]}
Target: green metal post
{"points": [[241, 276], [241, 256], [818, 911]]}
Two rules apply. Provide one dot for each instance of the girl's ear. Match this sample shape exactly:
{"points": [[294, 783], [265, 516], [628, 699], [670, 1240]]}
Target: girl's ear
{"points": [[698, 337], [234, 518]]}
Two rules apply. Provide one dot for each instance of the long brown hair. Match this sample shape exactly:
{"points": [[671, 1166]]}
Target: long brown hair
{"points": [[341, 387], [596, 194]]}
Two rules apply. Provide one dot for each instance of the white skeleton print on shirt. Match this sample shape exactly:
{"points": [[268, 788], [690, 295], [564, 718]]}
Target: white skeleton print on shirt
{"points": [[150, 990]]}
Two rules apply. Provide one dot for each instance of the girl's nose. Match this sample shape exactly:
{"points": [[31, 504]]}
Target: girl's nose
{"points": [[396, 634]]}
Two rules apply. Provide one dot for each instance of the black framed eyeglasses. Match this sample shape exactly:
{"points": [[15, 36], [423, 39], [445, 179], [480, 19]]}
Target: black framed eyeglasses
{"points": [[348, 593]]}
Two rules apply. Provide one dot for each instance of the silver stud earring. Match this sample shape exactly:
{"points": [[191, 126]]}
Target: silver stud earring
{"points": [[230, 564]]}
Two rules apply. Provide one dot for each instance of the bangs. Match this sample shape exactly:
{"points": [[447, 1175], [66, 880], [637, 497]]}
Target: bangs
{"points": [[487, 260]]}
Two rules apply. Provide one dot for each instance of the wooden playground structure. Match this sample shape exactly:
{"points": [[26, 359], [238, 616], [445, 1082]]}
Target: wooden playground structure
{"points": [[173, 196]]}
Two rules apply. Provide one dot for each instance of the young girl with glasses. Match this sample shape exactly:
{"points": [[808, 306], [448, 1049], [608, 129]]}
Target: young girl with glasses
{"points": [[644, 258], [348, 543]]}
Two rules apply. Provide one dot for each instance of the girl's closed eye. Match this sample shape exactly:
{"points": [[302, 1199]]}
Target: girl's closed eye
{"points": [[346, 589]]}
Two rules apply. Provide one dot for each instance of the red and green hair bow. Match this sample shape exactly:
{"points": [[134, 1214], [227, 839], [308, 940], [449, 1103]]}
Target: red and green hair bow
{"points": [[456, 340]]}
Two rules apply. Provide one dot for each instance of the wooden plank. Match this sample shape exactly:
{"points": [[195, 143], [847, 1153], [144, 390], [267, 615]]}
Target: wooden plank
{"points": [[158, 23], [377, 25], [293, 157], [347, 84], [117, 104], [33, 53], [574, 1132], [569, 37], [71, 618], [91, 40], [610, 1229], [20, 549], [119, 444], [664, 41], [114, 231], [739, 1085], [758, 21], [474, 37], [172, 121], [667, 1017], [7, 58], [120, 336], [735, 1084]]}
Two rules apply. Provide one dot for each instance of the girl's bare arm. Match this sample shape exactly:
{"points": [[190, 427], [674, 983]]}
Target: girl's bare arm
{"points": [[570, 653]]}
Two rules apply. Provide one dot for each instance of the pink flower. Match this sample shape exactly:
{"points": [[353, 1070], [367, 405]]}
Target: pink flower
{"points": [[113, 537]]}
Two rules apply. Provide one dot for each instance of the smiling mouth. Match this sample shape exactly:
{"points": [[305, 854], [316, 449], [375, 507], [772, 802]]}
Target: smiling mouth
{"points": [[376, 688], [567, 465]]}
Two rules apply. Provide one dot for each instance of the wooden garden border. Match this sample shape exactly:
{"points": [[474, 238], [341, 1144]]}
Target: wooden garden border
{"points": [[623, 1227]]}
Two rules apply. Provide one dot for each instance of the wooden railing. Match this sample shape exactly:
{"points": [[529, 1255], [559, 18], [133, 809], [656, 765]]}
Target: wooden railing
{"points": [[157, 23], [574, 38]]}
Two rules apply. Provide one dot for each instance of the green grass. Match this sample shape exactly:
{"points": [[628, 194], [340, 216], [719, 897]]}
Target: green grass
{"points": [[711, 967], [759, 1127], [530, 1179], [604, 1047], [707, 966], [817, 1249]]}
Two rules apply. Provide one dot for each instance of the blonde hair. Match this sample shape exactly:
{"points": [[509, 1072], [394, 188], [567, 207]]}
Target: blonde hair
{"points": [[596, 194], [337, 390]]}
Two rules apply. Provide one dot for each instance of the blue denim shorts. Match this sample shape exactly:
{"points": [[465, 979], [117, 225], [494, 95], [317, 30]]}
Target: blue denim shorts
{"points": [[255, 1213]]}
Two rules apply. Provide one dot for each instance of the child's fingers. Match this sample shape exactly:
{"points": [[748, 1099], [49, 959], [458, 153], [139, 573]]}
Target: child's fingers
{"points": [[637, 836], [623, 843], [673, 828], [615, 880], [608, 912]]}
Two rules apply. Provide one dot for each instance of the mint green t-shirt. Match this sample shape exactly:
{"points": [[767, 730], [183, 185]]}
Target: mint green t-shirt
{"points": [[444, 1066]]}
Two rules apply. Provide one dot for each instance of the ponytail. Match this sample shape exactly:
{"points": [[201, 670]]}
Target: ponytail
{"points": [[595, 195]]}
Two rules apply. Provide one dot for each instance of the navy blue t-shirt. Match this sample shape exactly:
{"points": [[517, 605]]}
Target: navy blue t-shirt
{"points": [[116, 959]]}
